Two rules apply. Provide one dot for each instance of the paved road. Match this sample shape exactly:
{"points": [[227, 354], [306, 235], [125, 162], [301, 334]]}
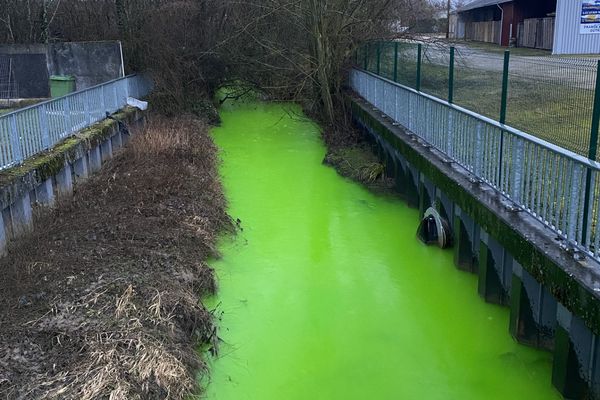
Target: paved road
{"points": [[578, 72]]}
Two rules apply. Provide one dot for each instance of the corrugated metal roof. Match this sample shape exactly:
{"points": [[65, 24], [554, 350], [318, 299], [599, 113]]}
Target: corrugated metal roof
{"points": [[481, 3]]}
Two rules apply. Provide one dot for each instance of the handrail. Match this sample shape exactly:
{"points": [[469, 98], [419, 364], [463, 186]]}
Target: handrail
{"points": [[33, 129], [538, 177], [67, 95], [507, 128]]}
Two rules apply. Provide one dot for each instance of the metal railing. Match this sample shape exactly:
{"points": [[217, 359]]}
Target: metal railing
{"points": [[31, 130], [557, 186]]}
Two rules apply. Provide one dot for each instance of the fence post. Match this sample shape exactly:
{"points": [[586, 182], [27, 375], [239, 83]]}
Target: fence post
{"points": [[593, 149], [395, 61], [503, 103], [419, 51], [378, 58], [451, 77], [366, 50]]}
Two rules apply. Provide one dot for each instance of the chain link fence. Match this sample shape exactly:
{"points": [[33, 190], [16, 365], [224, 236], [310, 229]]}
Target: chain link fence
{"points": [[548, 97]]}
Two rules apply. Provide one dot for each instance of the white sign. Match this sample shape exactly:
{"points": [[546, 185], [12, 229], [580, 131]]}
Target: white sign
{"points": [[590, 16]]}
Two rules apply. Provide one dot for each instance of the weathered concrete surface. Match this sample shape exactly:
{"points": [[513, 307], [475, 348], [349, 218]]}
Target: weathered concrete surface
{"points": [[575, 284], [91, 63]]}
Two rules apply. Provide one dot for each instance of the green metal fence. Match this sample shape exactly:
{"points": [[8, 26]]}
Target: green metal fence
{"points": [[547, 97]]}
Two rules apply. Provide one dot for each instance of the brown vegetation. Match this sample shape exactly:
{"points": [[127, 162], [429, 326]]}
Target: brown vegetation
{"points": [[358, 163], [101, 301]]}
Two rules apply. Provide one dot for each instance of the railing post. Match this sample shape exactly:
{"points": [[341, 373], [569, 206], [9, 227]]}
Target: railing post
{"points": [[15, 141], [503, 104], [593, 149], [87, 106], [419, 55], [378, 58], [451, 76], [45, 131], [396, 61], [103, 100], [67, 111], [115, 96]]}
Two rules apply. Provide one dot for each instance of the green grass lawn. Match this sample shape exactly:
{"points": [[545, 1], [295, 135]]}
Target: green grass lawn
{"points": [[5, 110]]}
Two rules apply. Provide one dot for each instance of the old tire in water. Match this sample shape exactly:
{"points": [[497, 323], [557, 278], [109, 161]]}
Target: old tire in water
{"points": [[434, 229]]}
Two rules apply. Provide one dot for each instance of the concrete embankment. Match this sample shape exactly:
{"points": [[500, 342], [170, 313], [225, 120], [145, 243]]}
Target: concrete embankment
{"points": [[553, 297]]}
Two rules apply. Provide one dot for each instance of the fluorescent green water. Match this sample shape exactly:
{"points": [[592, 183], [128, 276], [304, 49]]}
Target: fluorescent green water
{"points": [[327, 294]]}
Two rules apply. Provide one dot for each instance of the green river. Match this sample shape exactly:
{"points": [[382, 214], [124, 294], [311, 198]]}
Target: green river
{"points": [[327, 293]]}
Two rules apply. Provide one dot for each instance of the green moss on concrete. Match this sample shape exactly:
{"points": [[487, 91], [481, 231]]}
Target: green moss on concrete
{"points": [[49, 163], [546, 270]]}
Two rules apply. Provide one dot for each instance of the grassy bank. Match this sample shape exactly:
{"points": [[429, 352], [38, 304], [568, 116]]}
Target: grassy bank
{"points": [[101, 300]]}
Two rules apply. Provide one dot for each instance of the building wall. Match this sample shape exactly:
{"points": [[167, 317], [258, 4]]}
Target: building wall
{"points": [[536, 8], [509, 17], [567, 38], [91, 63], [28, 62]]}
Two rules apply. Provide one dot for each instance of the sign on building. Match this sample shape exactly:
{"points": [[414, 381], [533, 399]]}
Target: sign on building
{"points": [[590, 16]]}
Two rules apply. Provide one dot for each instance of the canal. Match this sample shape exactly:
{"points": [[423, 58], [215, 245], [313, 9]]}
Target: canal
{"points": [[327, 294]]}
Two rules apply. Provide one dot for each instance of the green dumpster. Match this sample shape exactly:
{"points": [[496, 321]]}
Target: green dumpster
{"points": [[61, 85]]}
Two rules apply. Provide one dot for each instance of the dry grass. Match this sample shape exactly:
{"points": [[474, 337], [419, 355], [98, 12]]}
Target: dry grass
{"points": [[359, 163], [101, 300]]}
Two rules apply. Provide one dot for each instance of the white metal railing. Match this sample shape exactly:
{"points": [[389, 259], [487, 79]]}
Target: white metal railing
{"points": [[542, 179], [30, 130]]}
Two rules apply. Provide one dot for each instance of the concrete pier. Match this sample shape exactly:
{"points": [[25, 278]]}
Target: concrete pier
{"points": [[81, 168], [106, 150], [44, 193], [495, 271], [576, 369], [532, 310], [64, 180], [21, 216], [116, 141], [95, 159], [466, 241]]}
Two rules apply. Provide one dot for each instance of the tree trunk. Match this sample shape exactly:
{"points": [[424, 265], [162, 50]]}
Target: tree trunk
{"points": [[322, 53]]}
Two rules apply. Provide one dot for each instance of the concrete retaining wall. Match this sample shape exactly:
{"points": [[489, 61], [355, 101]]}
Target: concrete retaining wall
{"points": [[91, 63], [42, 179], [554, 299]]}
